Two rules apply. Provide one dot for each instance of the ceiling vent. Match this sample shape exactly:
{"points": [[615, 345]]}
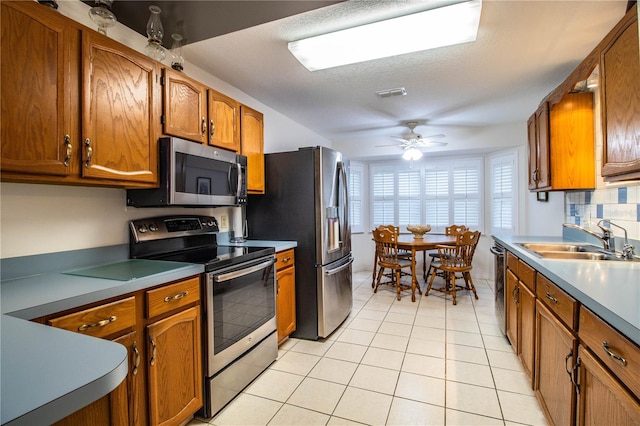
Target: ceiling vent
{"points": [[400, 91]]}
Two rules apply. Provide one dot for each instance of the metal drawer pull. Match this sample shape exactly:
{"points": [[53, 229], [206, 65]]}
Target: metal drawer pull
{"points": [[176, 296], [605, 347], [134, 371], [153, 351], [102, 323], [286, 259], [550, 297]]}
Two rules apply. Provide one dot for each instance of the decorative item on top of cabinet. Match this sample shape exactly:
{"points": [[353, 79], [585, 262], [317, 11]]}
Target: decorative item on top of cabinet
{"points": [[252, 146], [286, 293], [119, 140], [620, 99]]}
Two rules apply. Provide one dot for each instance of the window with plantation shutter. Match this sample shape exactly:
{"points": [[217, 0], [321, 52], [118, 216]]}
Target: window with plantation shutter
{"points": [[355, 196], [502, 193], [435, 192]]}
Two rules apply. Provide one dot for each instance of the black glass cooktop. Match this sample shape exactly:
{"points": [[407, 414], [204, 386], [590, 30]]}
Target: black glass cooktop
{"points": [[218, 256]]}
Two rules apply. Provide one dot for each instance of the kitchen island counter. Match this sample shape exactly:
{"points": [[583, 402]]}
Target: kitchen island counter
{"points": [[47, 373], [611, 289]]}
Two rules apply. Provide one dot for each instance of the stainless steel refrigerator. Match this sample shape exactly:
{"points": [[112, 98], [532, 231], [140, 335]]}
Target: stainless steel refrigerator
{"points": [[306, 200]]}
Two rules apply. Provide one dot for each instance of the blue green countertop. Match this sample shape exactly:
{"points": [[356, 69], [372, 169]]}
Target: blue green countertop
{"points": [[48, 373], [610, 289]]}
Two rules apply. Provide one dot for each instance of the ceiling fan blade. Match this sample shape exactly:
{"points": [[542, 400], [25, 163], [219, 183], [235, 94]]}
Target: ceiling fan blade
{"points": [[438, 136], [424, 143], [393, 144]]}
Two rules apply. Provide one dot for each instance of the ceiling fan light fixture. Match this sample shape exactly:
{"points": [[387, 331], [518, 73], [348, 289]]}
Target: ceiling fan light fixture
{"points": [[411, 154], [430, 29]]}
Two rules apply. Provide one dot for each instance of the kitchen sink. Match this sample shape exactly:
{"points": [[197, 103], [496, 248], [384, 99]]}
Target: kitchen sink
{"points": [[564, 251]]}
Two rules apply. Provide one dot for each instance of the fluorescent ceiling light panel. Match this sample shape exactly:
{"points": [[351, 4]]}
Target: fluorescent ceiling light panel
{"points": [[434, 28]]}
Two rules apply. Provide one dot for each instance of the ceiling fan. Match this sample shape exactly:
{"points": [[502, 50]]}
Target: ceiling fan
{"points": [[412, 141]]}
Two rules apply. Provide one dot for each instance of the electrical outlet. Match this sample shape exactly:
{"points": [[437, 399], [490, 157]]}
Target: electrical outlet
{"points": [[224, 222]]}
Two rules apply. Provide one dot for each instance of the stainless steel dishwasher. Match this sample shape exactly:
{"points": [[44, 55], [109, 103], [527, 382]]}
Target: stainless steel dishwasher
{"points": [[499, 276]]}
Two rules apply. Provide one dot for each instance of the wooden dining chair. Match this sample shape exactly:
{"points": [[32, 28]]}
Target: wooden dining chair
{"points": [[402, 254], [390, 265], [455, 259], [449, 230]]}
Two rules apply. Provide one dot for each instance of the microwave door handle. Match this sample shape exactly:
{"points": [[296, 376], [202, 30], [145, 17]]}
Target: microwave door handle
{"points": [[239, 187]]}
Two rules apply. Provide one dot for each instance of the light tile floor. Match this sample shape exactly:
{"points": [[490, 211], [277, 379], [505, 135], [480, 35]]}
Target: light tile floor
{"points": [[395, 363]]}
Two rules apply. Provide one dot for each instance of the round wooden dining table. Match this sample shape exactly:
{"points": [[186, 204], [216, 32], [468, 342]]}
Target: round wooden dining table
{"points": [[427, 242]]}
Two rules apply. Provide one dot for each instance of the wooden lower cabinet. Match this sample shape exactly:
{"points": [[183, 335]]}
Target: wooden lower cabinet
{"points": [[161, 329], [174, 368], [602, 399], [286, 296], [555, 356], [512, 303], [526, 330]]}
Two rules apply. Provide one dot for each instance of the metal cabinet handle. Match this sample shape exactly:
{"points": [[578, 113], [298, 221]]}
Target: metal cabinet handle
{"points": [[67, 143], [212, 129], [153, 351], [176, 296], [286, 259], [550, 297], [574, 375], [87, 143], [515, 293], [605, 347], [134, 347], [204, 126], [102, 323], [535, 176]]}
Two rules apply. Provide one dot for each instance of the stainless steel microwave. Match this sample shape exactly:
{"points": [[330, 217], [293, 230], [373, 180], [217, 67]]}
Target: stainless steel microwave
{"points": [[192, 175]]}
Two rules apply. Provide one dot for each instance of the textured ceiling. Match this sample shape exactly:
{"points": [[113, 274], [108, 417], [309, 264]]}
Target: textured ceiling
{"points": [[524, 49]]}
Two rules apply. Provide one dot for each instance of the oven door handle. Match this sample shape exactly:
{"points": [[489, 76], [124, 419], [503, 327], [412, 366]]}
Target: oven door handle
{"points": [[340, 268], [242, 272]]}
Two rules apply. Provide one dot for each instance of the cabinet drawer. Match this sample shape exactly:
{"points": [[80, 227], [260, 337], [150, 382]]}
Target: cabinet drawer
{"points": [[608, 344], [559, 302], [512, 262], [172, 296], [100, 321], [527, 275], [284, 259]]}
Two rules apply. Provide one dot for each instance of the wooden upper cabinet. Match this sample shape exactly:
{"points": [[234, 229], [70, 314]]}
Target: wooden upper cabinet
{"points": [[572, 142], [252, 145], [39, 81], [118, 111], [184, 107], [224, 121], [538, 133], [620, 98]]}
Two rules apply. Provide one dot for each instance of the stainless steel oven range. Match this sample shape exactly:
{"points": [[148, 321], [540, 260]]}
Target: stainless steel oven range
{"points": [[238, 294]]}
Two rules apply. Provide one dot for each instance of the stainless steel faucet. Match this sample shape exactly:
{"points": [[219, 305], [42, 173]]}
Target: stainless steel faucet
{"points": [[604, 239], [627, 249]]}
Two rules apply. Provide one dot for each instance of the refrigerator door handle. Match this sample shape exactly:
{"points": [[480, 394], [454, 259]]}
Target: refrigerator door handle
{"points": [[345, 200], [340, 268]]}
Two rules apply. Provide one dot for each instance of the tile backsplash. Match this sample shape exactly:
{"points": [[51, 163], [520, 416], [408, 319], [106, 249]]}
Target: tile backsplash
{"points": [[620, 204]]}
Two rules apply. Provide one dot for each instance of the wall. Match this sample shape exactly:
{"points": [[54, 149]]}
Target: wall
{"points": [[38, 219]]}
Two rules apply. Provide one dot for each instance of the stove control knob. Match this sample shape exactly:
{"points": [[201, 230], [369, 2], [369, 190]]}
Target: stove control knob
{"points": [[153, 227], [142, 229]]}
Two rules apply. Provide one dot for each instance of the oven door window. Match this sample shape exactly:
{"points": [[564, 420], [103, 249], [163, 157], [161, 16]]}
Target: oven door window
{"points": [[243, 300]]}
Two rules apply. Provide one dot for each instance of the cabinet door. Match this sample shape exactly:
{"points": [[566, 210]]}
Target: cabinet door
{"points": [[252, 144], [526, 330], [40, 63], [554, 360], [134, 384], [174, 368], [224, 118], [512, 307], [286, 302], [602, 400], [538, 134], [119, 135], [110, 410], [620, 96], [184, 107], [532, 151]]}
